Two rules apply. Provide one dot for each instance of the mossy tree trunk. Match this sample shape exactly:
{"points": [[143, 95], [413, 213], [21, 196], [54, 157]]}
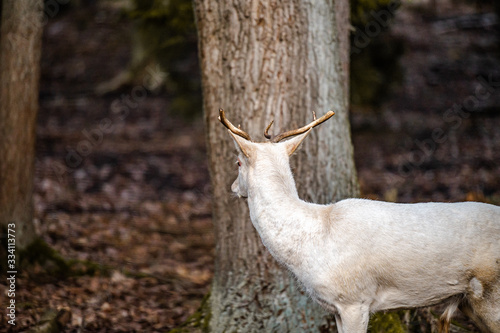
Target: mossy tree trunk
{"points": [[263, 60], [20, 48], [163, 40]]}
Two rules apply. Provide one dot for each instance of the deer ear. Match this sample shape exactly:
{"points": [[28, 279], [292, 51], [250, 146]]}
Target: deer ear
{"points": [[294, 143], [242, 144]]}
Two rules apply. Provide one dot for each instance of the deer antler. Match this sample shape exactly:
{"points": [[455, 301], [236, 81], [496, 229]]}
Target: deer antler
{"points": [[231, 127], [301, 130], [266, 132]]}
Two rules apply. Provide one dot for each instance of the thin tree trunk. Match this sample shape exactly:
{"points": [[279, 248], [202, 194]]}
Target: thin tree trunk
{"points": [[263, 60], [20, 48]]}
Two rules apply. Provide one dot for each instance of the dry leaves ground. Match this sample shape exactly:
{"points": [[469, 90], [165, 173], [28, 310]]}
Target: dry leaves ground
{"points": [[123, 183]]}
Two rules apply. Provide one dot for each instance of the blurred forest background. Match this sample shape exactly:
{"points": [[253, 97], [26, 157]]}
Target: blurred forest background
{"points": [[122, 189]]}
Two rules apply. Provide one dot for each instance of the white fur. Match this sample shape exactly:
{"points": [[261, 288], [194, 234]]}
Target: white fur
{"points": [[357, 256]]}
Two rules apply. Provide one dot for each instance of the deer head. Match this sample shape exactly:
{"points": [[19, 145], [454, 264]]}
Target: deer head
{"points": [[272, 154]]}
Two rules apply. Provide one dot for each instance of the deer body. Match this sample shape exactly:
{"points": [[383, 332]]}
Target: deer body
{"points": [[356, 256]]}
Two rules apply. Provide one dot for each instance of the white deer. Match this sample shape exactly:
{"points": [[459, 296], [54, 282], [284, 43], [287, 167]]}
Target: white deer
{"points": [[356, 256]]}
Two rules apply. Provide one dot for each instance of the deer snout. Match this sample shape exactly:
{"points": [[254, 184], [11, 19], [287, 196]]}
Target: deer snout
{"points": [[235, 187]]}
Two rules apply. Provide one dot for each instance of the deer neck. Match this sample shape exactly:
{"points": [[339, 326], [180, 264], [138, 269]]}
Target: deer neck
{"points": [[281, 218]]}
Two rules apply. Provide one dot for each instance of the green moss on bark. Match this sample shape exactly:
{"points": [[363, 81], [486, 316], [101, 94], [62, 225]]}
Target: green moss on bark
{"points": [[387, 323]]}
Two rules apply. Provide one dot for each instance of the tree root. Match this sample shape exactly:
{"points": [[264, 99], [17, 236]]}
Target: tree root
{"points": [[52, 263]]}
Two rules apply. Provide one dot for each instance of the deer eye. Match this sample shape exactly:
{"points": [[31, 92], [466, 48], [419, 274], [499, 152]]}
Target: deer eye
{"points": [[238, 162]]}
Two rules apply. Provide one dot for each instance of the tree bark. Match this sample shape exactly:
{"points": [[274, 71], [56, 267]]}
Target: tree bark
{"points": [[20, 49], [264, 60]]}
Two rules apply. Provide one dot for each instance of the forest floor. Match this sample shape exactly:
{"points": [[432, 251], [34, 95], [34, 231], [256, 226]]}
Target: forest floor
{"points": [[123, 183]]}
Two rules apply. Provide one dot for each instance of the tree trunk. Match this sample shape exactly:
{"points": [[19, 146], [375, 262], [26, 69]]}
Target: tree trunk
{"points": [[263, 60], [20, 48]]}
